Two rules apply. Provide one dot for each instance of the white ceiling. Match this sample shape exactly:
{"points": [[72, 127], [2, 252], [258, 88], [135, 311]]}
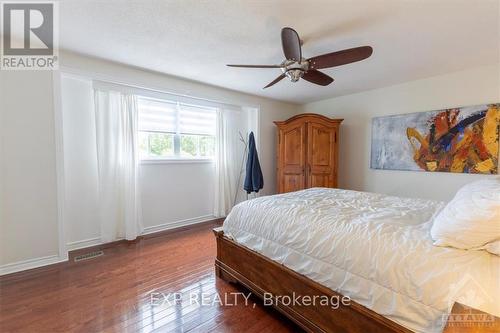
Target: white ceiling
{"points": [[194, 39]]}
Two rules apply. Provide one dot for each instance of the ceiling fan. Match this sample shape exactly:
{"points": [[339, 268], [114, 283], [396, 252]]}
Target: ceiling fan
{"points": [[295, 67]]}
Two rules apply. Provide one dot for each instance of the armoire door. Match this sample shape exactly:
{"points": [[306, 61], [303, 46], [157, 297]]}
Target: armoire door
{"points": [[292, 158], [321, 155]]}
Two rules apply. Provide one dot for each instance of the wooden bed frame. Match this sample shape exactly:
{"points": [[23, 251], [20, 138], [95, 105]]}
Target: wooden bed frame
{"points": [[237, 264]]}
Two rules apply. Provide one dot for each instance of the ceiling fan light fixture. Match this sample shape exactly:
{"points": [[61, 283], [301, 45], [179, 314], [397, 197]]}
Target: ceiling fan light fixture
{"points": [[294, 74], [296, 67]]}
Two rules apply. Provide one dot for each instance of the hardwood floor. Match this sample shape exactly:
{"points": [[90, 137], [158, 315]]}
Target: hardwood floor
{"points": [[126, 290]]}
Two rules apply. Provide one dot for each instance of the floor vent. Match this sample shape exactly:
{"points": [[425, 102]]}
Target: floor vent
{"points": [[90, 255]]}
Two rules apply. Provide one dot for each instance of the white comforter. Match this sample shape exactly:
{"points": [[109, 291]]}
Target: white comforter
{"points": [[372, 247]]}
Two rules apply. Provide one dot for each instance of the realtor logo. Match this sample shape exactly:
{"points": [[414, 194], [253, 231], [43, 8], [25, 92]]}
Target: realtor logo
{"points": [[29, 35]]}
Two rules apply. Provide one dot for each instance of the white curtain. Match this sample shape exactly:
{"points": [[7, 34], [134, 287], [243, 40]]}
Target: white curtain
{"points": [[228, 155], [116, 117]]}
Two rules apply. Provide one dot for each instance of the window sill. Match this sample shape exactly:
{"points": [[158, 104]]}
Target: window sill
{"points": [[176, 161]]}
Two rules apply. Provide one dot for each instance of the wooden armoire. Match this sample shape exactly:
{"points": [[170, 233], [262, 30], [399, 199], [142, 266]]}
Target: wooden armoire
{"points": [[307, 152]]}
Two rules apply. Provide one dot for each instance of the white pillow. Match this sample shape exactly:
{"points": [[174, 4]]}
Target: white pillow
{"points": [[472, 219]]}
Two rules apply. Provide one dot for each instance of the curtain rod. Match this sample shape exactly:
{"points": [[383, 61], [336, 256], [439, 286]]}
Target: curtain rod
{"points": [[98, 77], [160, 92]]}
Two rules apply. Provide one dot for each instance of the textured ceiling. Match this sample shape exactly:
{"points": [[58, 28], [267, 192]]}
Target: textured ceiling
{"points": [[194, 39]]}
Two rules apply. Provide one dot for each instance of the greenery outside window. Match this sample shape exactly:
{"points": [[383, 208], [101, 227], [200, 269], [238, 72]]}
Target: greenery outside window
{"points": [[171, 130]]}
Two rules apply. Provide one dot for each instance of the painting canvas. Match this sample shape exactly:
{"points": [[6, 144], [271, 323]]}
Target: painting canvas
{"points": [[463, 140]]}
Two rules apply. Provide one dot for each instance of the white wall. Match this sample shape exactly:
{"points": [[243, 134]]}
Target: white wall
{"points": [[172, 194], [28, 193], [177, 193], [80, 162], [29, 234], [470, 87], [28, 205], [270, 110]]}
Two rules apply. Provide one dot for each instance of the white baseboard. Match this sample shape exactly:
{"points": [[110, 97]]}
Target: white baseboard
{"points": [[177, 224], [30, 264], [83, 243], [49, 260], [148, 230]]}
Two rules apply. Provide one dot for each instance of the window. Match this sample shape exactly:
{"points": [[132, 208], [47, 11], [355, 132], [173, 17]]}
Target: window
{"points": [[173, 130]]}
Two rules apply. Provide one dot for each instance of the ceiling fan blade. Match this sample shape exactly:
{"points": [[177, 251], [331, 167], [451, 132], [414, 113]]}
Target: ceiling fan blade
{"points": [[256, 66], [317, 77], [276, 80], [291, 44], [340, 57]]}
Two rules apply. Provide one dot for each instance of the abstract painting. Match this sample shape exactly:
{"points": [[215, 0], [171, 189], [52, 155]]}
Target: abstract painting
{"points": [[463, 140]]}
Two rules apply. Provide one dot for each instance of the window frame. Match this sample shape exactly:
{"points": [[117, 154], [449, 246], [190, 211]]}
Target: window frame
{"points": [[177, 157]]}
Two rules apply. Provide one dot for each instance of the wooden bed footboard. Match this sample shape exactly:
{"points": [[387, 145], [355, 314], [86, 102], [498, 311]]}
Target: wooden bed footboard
{"points": [[265, 277]]}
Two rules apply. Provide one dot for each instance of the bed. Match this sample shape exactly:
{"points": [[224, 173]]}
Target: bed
{"points": [[373, 248]]}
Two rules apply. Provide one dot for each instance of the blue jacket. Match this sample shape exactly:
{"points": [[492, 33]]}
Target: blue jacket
{"points": [[254, 180]]}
